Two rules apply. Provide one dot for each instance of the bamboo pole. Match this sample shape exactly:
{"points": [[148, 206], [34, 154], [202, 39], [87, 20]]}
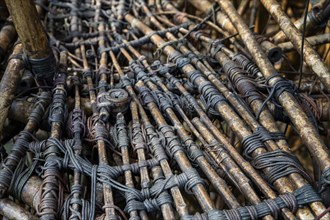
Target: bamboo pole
{"points": [[313, 21], [180, 204], [52, 193], [33, 37], [7, 37], [11, 210], [9, 83], [184, 163], [139, 145], [313, 40], [311, 57], [219, 184]]}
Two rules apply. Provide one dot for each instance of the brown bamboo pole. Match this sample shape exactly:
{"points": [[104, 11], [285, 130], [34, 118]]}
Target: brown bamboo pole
{"points": [[11, 210], [180, 204], [123, 144], [9, 83], [33, 37], [306, 130], [52, 193], [313, 40], [199, 190], [102, 154], [19, 149], [311, 57], [139, 145], [312, 22], [229, 29], [7, 37], [243, 6], [181, 158], [218, 183]]}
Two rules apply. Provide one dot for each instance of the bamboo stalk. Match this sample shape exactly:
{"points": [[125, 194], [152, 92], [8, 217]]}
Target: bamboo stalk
{"points": [[9, 83], [7, 37], [192, 147], [51, 193], [313, 40], [139, 144], [11, 210], [33, 37], [311, 57], [226, 112]]}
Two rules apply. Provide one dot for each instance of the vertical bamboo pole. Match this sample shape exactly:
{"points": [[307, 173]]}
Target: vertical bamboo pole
{"points": [[33, 37], [311, 57]]}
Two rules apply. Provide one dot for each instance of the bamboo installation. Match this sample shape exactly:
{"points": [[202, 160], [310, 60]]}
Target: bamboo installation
{"points": [[155, 109]]}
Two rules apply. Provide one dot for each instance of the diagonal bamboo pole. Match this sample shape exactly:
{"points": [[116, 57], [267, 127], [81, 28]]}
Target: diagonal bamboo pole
{"points": [[223, 108], [311, 57], [306, 130]]}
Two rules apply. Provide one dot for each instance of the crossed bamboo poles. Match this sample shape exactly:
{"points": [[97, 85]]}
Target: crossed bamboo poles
{"points": [[159, 41]]}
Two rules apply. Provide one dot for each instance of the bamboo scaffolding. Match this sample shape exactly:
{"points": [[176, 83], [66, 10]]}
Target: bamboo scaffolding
{"points": [[234, 122], [170, 116], [192, 147], [306, 130], [180, 204]]}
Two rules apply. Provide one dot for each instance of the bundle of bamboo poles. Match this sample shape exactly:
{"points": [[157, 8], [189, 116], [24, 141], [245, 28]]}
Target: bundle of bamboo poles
{"points": [[154, 109]]}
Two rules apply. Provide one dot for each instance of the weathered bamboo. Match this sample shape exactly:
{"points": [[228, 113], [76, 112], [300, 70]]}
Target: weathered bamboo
{"points": [[78, 130], [246, 166], [198, 189], [33, 38], [51, 193], [222, 107], [11, 210], [314, 41], [229, 96], [9, 83], [20, 147], [220, 184], [121, 137], [180, 204], [306, 130], [178, 154], [312, 22], [311, 57], [139, 145], [7, 37], [99, 126], [243, 6], [193, 149], [222, 19]]}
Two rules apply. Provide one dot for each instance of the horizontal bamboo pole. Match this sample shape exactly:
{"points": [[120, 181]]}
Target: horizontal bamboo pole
{"points": [[12, 210], [313, 40]]}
